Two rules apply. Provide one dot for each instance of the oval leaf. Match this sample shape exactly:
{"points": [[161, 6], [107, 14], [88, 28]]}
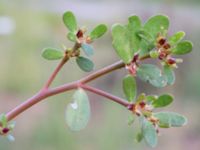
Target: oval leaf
{"points": [[71, 36], [52, 54], [85, 64], [129, 87], [170, 119], [149, 133], [152, 74], [88, 50], [3, 120], [157, 25], [70, 21], [121, 43], [182, 48], [169, 73], [78, 112], [177, 37], [134, 25], [163, 101], [98, 31]]}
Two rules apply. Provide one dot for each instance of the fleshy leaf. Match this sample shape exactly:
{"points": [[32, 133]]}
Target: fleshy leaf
{"points": [[139, 137], [170, 119], [52, 54], [169, 73], [71, 36], [152, 74], [163, 101], [149, 133], [157, 25], [177, 37], [134, 25], [78, 112], [3, 120], [85, 64], [131, 119], [146, 36], [70, 21], [121, 43], [88, 49], [182, 48], [129, 87], [98, 31], [151, 98]]}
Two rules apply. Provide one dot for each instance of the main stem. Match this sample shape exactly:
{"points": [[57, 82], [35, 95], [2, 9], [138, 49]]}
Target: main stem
{"points": [[63, 88], [46, 92]]}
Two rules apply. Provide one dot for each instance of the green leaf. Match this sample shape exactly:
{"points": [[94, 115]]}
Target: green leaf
{"points": [[182, 48], [169, 73], [78, 112], [85, 64], [71, 36], [134, 25], [3, 120], [98, 31], [152, 74], [177, 37], [149, 133], [154, 54], [131, 119], [88, 49], [146, 36], [139, 137], [52, 54], [70, 21], [170, 119], [121, 43], [140, 98], [162, 101], [151, 98], [11, 125], [129, 87], [157, 25]]}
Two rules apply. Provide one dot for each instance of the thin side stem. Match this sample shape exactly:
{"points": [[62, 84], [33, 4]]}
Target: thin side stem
{"points": [[101, 72], [58, 68], [107, 95]]}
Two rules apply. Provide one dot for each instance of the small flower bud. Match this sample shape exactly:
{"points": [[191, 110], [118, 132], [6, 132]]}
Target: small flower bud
{"points": [[5, 130], [154, 54], [79, 34], [166, 46], [162, 55], [161, 41], [171, 61]]}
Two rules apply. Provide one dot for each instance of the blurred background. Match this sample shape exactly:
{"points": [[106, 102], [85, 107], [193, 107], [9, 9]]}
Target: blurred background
{"points": [[26, 27]]}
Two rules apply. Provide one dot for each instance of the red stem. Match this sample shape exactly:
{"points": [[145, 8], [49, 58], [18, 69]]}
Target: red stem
{"points": [[66, 87], [107, 95], [58, 68]]}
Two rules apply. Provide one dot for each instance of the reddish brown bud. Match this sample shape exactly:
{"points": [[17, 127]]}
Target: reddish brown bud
{"points": [[167, 46], [162, 41], [135, 58], [171, 61], [79, 34], [5, 130], [142, 104], [162, 55]]}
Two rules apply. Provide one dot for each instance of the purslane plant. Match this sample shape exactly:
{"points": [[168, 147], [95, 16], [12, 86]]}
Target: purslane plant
{"points": [[133, 43]]}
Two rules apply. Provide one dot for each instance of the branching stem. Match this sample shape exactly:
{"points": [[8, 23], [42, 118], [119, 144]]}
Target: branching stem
{"points": [[47, 92]]}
